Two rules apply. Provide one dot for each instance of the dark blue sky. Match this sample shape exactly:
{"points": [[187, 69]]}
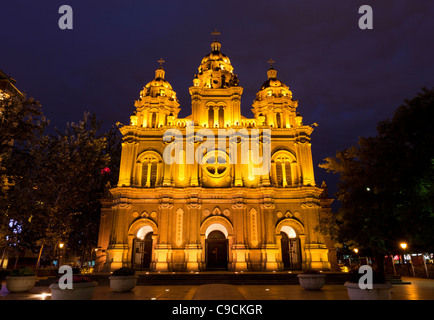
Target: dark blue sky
{"points": [[345, 79]]}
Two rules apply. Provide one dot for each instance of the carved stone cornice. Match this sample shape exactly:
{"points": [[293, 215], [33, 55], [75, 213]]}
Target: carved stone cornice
{"points": [[267, 206], [165, 206], [239, 206], [122, 203], [194, 202]]}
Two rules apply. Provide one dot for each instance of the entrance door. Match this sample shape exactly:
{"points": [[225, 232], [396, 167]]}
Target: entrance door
{"points": [[216, 251], [291, 256], [142, 254]]}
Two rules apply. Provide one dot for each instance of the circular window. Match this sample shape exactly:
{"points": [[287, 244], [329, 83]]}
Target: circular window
{"points": [[216, 163]]}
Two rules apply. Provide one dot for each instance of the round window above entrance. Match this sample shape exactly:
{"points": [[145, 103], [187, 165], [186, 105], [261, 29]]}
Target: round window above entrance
{"points": [[216, 163]]}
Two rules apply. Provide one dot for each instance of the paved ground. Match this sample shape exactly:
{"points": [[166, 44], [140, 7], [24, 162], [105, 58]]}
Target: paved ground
{"points": [[419, 289]]}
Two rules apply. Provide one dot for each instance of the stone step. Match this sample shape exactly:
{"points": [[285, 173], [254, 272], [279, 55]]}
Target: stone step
{"points": [[245, 278]]}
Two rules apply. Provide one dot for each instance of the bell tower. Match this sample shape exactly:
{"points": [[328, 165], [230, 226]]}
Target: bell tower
{"points": [[158, 105], [273, 105], [215, 94]]}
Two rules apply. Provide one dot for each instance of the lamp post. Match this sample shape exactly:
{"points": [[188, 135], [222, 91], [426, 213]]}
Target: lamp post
{"points": [[356, 251], [403, 246], [60, 255]]}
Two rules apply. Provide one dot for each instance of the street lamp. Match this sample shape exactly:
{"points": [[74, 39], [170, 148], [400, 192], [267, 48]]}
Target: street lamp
{"points": [[60, 256], [403, 246]]}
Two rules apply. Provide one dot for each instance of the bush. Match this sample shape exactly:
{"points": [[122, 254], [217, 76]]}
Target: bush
{"points": [[124, 272], [47, 272], [23, 272], [310, 271]]}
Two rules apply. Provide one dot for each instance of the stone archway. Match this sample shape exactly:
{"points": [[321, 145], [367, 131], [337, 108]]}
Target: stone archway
{"points": [[216, 250], [142, 238], [216, 233], [290, 237]]}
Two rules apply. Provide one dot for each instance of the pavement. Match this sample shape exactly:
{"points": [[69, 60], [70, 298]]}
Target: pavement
{"points": [[418, 289]]}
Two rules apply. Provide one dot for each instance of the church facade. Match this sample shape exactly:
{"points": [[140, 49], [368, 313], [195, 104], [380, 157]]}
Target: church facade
{"points": [[215, 190]]}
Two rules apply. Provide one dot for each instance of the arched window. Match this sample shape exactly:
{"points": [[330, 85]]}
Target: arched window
{"points": [[278, 120], [211, 117], [154, 120], [221, 117], [284, 167], [151, 169]]}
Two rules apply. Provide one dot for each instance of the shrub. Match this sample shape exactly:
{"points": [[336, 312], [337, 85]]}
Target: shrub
{"points": [[23, 272], [124, 272], [311, 271]]}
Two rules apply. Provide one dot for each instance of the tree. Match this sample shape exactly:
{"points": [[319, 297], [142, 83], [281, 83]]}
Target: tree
{"points": [[22, 125], [68, 185], [386, 187]]}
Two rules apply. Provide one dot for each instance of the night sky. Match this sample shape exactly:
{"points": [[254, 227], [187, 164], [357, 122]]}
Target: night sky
{"points": [[345, 79]]}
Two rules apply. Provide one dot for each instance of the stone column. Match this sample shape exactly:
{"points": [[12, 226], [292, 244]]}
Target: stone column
{"points": [[193, 249], [128, 157], [117, 251], [163, 249], [239, 247], [270, 249]]}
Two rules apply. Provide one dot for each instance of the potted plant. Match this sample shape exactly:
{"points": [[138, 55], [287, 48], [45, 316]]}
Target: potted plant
{"points": [[21, 280], [380, 288], [123, 279], [82, 289], [311, 279]]}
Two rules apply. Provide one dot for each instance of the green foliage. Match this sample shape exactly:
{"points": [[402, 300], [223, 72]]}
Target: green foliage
{"points": [[51, 185], [124, 271], [23, 272], [386, 187]]}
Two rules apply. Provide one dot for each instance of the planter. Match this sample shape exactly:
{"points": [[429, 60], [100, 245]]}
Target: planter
{"points": [[378, 292], [123, 283], [79, 291], [311, 281], [20, 283]]}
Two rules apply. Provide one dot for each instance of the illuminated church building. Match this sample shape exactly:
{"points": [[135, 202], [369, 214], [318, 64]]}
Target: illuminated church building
{"points": [[215, 214]]}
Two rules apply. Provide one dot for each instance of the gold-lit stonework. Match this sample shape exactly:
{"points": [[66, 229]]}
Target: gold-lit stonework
{"points": [[214, 215]]}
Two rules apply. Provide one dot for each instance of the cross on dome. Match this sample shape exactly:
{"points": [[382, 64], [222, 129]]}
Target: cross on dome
{"points": [[215, 46], [215, 33], [159, 73], [161, 61]]}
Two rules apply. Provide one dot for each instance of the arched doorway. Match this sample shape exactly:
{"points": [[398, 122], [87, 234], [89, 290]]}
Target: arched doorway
{"points": [[216, 251], [290, 246], [142, 251]]}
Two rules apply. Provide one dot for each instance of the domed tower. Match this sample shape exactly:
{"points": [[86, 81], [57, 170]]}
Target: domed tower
{"points": [[215, 94], [273, 105], [158, 105]]}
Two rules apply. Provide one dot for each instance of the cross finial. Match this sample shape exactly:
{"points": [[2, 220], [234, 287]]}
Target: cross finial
{"points": [[215, 33], [271, 61], [161, 61]]}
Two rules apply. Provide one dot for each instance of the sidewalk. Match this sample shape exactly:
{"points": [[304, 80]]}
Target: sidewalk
{"points": [[419, 289]]}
